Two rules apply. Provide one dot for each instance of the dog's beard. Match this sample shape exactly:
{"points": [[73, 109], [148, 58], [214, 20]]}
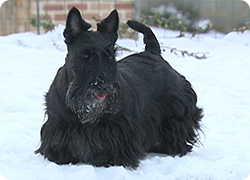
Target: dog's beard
{"points": [[89, 104]]}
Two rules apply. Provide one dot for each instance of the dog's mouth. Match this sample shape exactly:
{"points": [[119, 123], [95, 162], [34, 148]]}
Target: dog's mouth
{"points": [[100, 96]]}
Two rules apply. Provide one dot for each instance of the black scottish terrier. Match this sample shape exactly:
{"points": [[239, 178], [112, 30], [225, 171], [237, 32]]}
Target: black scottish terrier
{"points": [[104, 112]]}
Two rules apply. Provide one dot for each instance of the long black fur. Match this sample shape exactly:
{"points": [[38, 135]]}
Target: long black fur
{"points": [[104, 112]]}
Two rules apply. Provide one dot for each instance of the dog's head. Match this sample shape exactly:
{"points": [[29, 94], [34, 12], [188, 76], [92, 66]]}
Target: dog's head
{"points": [[91, 67]]}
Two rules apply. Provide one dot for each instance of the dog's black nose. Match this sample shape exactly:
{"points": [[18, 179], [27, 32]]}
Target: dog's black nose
{"points": [[102, 85], [106, 88]]}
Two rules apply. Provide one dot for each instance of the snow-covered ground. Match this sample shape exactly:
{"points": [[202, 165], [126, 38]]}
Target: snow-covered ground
{"points": [[28, 64]]}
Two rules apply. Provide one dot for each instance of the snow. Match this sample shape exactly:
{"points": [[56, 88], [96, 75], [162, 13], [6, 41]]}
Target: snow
{"points": [[28, 63]]}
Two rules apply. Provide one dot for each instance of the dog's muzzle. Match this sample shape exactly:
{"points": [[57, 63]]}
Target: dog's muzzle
{"points": [[91, 102]]}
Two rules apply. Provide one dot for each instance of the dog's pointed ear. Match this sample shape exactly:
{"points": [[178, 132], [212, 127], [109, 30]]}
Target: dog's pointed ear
{"points": [[110, 25], [75, 25]]}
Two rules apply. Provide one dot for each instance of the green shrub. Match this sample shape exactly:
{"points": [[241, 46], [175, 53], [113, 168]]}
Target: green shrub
{"points": [[45, 22]]}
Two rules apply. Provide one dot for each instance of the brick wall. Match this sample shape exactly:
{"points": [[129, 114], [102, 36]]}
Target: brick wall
{"points": [[15, 14], [91, 10]]}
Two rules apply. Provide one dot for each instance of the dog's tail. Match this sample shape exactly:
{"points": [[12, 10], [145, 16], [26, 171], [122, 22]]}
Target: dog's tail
{"points": [[152, 44]]}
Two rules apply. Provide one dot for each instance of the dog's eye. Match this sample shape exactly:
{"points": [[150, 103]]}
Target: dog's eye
{"points": [[86, 56]]}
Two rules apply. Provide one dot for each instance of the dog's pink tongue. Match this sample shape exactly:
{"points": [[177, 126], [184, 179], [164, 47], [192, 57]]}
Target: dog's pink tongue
{"points": [[101, 96]]}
